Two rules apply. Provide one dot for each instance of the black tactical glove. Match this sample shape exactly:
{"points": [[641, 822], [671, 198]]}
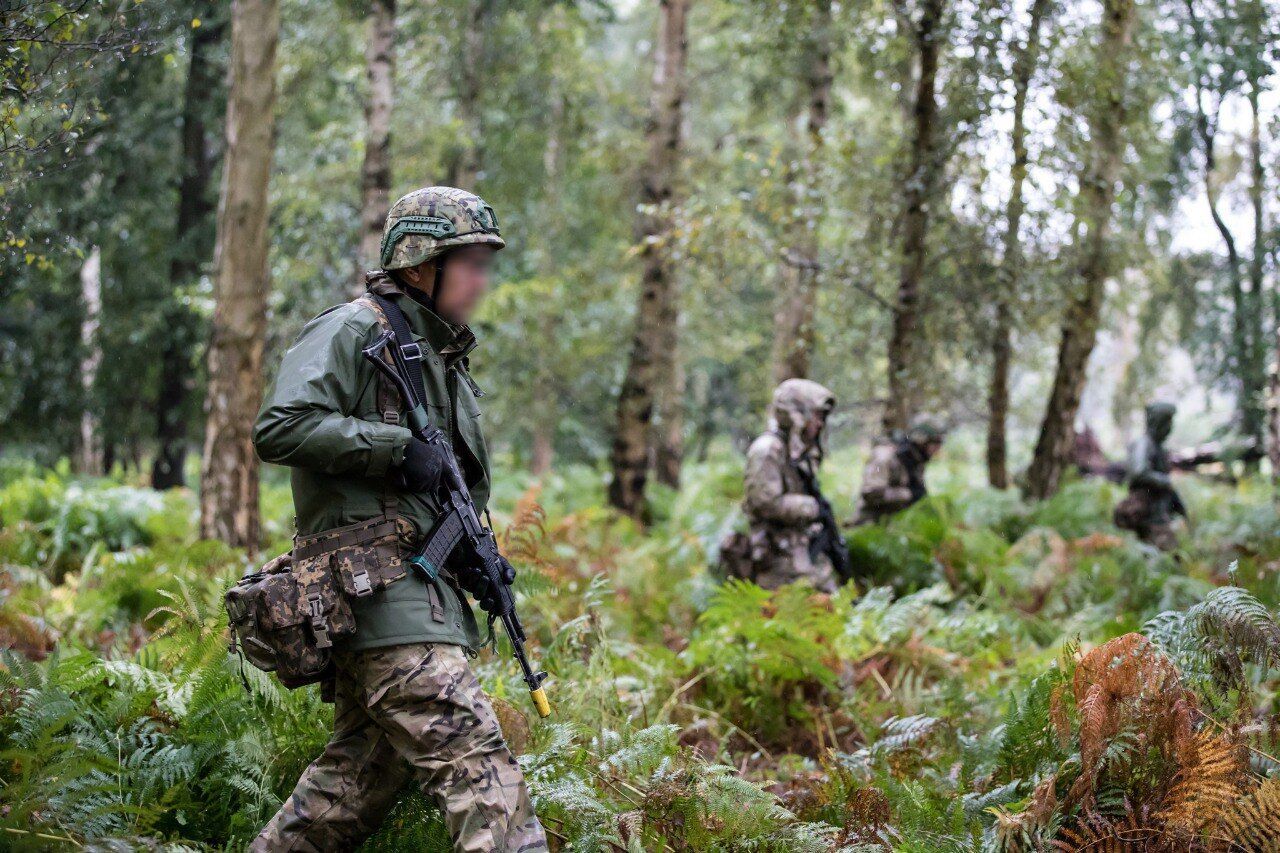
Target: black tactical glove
{"points": [[422, 467], [478, 585]]}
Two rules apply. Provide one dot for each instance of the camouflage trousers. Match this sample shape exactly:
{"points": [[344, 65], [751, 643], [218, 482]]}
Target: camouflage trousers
{"points": [[402, 711], [784, 558]]}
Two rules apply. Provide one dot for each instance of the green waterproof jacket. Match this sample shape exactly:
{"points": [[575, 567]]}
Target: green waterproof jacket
{"points": [[322, 420]]}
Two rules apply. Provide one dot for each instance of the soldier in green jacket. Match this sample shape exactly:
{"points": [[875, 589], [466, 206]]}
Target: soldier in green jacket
{"points": [[406, 701]]}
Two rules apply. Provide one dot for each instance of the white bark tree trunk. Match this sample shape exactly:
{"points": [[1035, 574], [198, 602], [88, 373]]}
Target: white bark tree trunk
{"points": [[375, 170], [652, 357], [229, 470], [89, 451]]}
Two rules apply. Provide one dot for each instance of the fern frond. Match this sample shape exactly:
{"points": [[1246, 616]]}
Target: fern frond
{"points": [[1254, 821], [1206, 785]]}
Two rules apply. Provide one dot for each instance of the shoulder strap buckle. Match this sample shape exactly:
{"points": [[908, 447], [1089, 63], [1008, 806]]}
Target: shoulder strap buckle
{"points": [[411, 351]]}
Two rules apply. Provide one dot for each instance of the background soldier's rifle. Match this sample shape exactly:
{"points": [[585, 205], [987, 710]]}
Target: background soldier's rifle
{"points": [[458, 518], [828, 541]]}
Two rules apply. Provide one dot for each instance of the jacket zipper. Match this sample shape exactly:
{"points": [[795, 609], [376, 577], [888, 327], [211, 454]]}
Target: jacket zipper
{"points": [[451, 389]]}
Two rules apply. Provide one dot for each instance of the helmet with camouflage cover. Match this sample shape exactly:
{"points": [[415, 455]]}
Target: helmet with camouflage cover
{"points": [[795, 403], [428, 222], [925, 429]]}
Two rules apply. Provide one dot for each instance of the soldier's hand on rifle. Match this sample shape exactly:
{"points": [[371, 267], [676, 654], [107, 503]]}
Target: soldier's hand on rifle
{"points": [[423, 466], [477, 584]]}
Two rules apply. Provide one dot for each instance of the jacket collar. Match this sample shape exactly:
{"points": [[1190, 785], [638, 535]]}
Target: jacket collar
{"points": [[452, 342]]}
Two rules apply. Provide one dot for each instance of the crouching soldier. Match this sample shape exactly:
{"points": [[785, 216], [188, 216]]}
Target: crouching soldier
{"points": [[782, 511], [1152, 502], [407, 704], [894, 477]]}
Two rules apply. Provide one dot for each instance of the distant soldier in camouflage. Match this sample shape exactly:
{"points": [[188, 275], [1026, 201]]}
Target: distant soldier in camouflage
{"points": [[782, 515], [1152, 502], [894, 477], [407, 703]]}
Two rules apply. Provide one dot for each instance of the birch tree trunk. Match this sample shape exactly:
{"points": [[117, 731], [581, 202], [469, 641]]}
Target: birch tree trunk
{"points": [[648, 363], [191, 247], [793, 328], [668, 451], [89, 451], [1257, 425], [229, 473], [375, 170], [1010, 276], [919, 184], [1097, 195]]}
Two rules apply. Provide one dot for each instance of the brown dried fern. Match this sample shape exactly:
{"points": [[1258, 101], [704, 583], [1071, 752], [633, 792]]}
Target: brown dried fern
{"points": [[1253, 823], [1207, 784], [1136, 832]]}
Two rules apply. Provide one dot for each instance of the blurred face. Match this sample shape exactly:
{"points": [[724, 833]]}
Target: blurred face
{"points": [[931, 448], [463, 285], [813, 428]]}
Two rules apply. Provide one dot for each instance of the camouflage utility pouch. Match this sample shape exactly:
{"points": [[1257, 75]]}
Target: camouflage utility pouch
{"points": [[365, 557], [285, 617]]}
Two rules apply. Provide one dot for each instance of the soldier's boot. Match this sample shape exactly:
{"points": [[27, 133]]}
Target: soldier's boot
{"points": [[342, 798]]}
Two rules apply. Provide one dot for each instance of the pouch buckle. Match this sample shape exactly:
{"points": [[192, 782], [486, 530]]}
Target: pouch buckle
{"points": [[361, 583]]}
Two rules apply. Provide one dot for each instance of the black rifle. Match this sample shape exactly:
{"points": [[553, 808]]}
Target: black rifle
{"points": [[828, 540], [458, 518]]}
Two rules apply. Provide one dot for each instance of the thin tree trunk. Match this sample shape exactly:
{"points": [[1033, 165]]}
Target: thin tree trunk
{"points": [[1257, 275], [1244, 348], [191, 246], [464, 169], [229, 474], [1207, 130], [793, 328], [375, 170], [1097, 195], [633, 434], [919, 187], [1010, 275], [89, 452], [668, 455]]}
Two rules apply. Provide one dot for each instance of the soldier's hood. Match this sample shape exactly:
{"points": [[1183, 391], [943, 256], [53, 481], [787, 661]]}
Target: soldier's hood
{"points": [[1160, 419], [794, 403]]}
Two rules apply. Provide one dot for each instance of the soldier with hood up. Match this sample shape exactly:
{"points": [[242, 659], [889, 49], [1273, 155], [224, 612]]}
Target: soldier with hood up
{"points": [[783, 515], [894, 476], [1152, 502]]}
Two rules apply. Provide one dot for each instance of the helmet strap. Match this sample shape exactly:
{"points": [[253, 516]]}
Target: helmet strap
{"points": [[439, 277]]}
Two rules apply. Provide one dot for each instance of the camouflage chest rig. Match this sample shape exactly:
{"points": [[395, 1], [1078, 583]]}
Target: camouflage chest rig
{"points": [[286, 616]]}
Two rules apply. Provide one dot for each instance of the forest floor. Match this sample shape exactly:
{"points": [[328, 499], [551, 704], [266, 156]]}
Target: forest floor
{"points": [[1008, 677]]}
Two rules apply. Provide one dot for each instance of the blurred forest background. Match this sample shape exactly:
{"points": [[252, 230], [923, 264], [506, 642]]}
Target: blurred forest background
{"points": [[908, 202], [1027, 216]]}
